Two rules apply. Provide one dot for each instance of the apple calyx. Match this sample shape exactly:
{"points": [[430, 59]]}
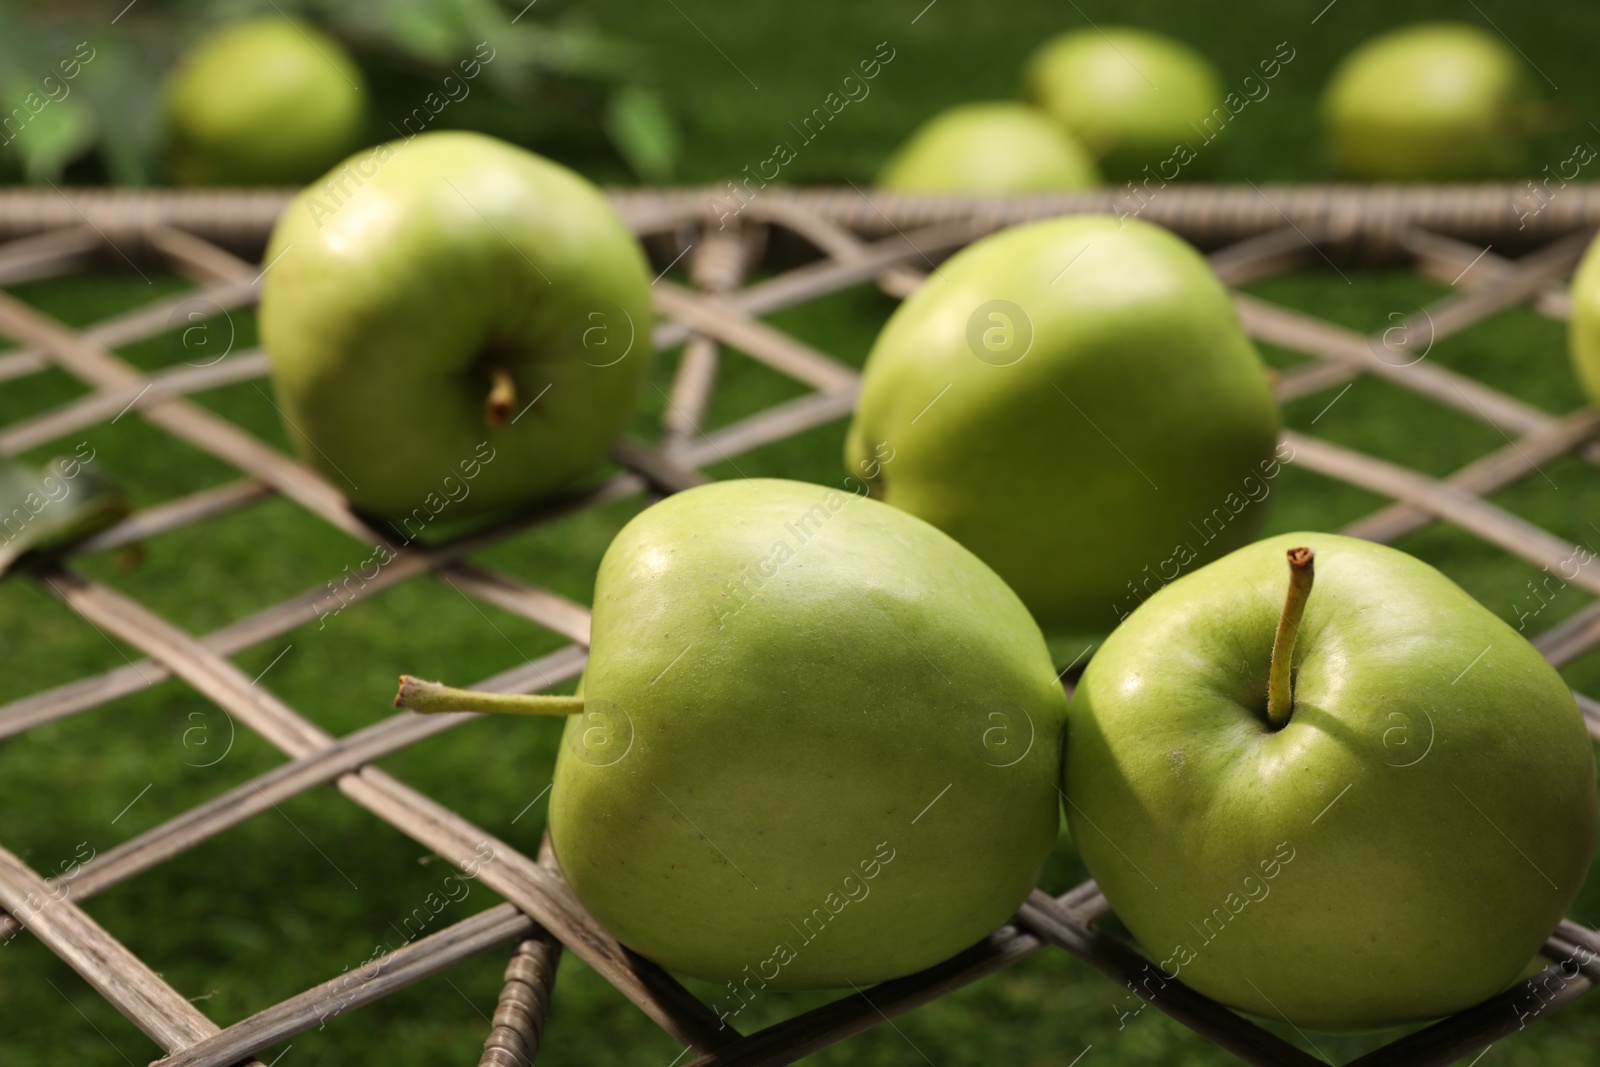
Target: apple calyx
{"points": [[502, 396], [1280, 692], [432, 698]]}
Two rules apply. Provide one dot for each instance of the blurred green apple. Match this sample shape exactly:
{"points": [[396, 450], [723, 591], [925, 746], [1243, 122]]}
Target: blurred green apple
{"points": [[1583, 332], [1129, 95], [1390, 843], [1438, 101], [818, 741], [269, 101], [454, 321], [1075, 401], [989, 148]]}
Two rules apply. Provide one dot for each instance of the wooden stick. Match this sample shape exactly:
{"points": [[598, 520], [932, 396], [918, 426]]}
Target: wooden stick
{"points": [[361, 985], [820, 278], [286, 781], [165, 1015], [1457, 263], [532, 888], [182, 419], [1517, 460], [717, 266], [109, 403], [661, 468], [1495, 525], [49, 254], [719, 319], [1208, 215], [1352, 354]]}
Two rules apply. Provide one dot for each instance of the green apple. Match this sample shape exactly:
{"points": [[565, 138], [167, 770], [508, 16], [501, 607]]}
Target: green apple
{"points": [[989, 148], [1389, 841], [1129, 95], [268, 101], [1438, 101], [1075, 401], [819, 741], [452, 304], [1583, 334]]}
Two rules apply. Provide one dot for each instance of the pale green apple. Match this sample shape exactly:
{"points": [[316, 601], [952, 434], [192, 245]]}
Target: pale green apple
{"points": [[1438, 101], [1398, 850], [812, 681], [269, 101], [1129, 95], [989, 148], [819, 742], [401, 288], [1075, 401], [1583, 332]]}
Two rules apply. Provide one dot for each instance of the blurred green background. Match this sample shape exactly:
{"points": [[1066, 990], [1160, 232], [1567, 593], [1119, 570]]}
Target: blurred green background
{"points": [[296, 896]]}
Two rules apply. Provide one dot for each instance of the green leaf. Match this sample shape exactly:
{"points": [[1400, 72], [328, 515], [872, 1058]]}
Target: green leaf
{"points": [[47, 134], [641, 127], [47, 510]]}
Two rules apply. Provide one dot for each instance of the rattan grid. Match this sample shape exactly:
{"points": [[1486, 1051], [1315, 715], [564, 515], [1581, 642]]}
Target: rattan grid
{"points": [[1252, 233]]}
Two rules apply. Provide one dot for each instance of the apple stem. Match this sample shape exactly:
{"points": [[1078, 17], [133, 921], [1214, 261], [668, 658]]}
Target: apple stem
{"points": [[502, 396], [432, 698], [1280, 693]]}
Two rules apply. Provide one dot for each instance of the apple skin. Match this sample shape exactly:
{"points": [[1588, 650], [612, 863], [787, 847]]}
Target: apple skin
{"points": [[797, 730], [1138, 409], [1583, 333], [1399, 902], [379, 314], [264, 102], [1129, 95], [1438, 101], [989, 148]]}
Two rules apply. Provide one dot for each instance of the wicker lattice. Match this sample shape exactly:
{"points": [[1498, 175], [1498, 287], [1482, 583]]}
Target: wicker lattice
{"points": [[1252, 233]]}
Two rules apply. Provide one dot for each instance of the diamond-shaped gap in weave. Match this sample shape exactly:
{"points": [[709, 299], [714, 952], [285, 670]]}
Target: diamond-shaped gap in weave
{"points": [[886, 240]]}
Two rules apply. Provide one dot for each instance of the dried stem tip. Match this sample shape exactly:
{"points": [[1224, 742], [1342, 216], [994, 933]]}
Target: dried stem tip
{"points": [[1280, 693], [502, 396], [431, 698]]}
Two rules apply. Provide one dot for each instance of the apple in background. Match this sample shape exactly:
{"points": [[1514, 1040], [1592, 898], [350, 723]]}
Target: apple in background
{"points": [[1583, 333], [1130, 96], [1438, 101], [989, 148], [452, 304], [1391, 842], [818, 742], [264, 102], [1075, 401]]}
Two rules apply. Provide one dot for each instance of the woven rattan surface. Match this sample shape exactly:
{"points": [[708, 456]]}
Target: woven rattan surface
{"points": [[1251, 233]]}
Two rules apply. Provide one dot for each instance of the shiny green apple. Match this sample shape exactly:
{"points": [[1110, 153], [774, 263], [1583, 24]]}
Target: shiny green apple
{"points": [[1396, 850], [1438, 101], [454, 304], [989, 148], [1075, 401], [264, 102], [1129, 95], [818, 742]]}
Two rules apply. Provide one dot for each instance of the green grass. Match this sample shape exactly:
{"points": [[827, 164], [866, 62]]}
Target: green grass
{"points": [[298, 895]]}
